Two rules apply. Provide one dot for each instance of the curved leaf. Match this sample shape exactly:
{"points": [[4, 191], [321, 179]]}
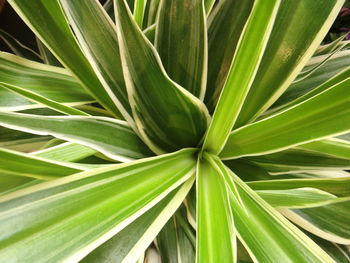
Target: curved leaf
{"points": [[292, 42], [245, 62], [324, 115], [65, 219], [111, 137], [181, 42], [160, 106], [48, 22], [53, 83]]}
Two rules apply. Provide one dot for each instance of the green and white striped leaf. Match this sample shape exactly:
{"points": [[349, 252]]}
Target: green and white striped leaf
{"points": [[324, 115], [160, 106], [139, 11], [133, 240], [65, 152], [181, 41], [9, 181], [177, 241], [67, 218], [48, 22], [300, 159], [22, 164], [293, 41], [150, 12], [247, 170], [216, 237], [333, 146], [225, 26], [18, 48], [36, 98], [338, 63], [208, 4], [111, 137], [297, 198], [267, 236], [52, 83], [337, 186], [245, 63], [98, 40], [330, 222]]}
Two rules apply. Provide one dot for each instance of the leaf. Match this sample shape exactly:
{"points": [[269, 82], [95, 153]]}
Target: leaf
{"points": [[299, 159], [21, 164], [139, 11], [336, 186], [216, 238], [182, 43], [333, 146], [111, 137], [324, 115], [97, 38], [267, 235], [133, 240], [245, 62], [293, 41], [331, 222], [65, 152], [177, 241], [18, 48], [297, 198], [35, 97], [10, 181], [337, 64], [150, 12], [53, 83], [225, 25], [48, 22], [209, 5], [68, 218], [160, 107]]}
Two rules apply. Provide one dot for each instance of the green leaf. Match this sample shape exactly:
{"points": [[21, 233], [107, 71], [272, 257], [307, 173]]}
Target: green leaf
{"points": [[48, 22], [336, 186], [267, 236], [66, 219], [35, 97], [88, 20], [331, 222], [111, 137], [338, 63], [160, 106], [247, 170], [297, 197], [177, 241], [65, 152], [225, 26], [181, 42], [333, 146], [133, 240], [10, 181], [292, 42], [244, 65], [18, 48], [300, 160], [139, 11], [209, 5], [324, 115], [216, 238], [150, 12], [52, 83], [21, 164]]}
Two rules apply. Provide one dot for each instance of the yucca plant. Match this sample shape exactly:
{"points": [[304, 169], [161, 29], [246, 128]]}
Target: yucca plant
{"points": [[175, 130]]}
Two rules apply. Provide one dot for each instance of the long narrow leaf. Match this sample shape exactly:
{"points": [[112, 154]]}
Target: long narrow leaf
{"points": [[160, 107], [216, 238], [68, 218], [244, 65], [324, 115], [111, 137], [47, 20], [182, 43], [290, 46]]}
